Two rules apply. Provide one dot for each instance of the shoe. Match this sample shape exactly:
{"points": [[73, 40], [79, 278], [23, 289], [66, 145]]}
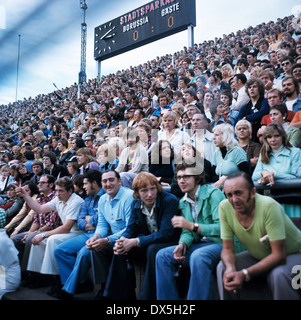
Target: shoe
{"points": [[28, 279], [86, 286], [42, 280], [55, 288], [64, 295]]}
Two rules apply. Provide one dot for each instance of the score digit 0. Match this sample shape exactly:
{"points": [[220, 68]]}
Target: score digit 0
{"points": [[135, 35], [170, 21]]}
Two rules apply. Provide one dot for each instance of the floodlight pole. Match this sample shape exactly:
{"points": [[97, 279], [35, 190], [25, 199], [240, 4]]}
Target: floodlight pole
{"points": [[18, 62], [82, 74]]}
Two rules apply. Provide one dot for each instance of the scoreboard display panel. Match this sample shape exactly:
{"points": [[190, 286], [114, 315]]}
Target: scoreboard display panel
{"points": [[150, 22]]}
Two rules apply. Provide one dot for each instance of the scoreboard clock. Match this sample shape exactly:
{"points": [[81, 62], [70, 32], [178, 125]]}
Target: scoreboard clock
{"points": [[150, 22]]}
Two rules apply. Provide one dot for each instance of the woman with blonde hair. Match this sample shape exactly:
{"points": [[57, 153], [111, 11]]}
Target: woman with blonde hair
{"points": [[227, 72], [106, 156], [118, 144], [40, 138], [133, 159], [229, 156], [5, 178], [171, 131], [38, 153]]}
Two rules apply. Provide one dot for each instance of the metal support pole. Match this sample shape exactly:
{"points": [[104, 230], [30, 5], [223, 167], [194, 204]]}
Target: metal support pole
{"points": [[190, 36], [98, 71]]}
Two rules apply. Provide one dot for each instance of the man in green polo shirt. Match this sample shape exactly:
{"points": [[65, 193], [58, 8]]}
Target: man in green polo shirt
{"points": [[272, 241]]}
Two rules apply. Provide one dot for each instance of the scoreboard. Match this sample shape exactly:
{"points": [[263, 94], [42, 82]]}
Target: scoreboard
{"points": [[150, 22]]}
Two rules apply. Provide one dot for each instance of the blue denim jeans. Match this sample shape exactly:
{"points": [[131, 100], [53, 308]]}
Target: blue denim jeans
{"points": [[202, 258], [73, 260]]}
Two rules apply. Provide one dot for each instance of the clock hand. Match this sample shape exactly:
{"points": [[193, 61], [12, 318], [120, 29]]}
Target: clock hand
{"points": [[105, 35], [110, 36]]}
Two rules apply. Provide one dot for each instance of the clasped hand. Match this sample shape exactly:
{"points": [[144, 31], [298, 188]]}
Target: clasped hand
{"points": [[124, 245]]}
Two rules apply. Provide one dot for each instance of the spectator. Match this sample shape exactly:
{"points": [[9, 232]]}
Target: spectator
{"points": [[65, 153], [171, 132], [73, 167], [38, 153], [277, 160], [67, 204], [241, 97], [149, 229], [112, 222], [106, 156], [292, 96], [244, 214], [72, 256], [201, 256], [243, 131], [5, 178], [257, 107], [86, 160], [278, 114], [229, 156], [229, 113], [22, 174], [217, 110], [10, 263], [162, 162], [52, 167], [133, 159], [12, 204], [28, 158], [24, 217]]}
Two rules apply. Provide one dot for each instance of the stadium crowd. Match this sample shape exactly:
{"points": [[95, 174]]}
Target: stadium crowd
{"points": [[139, 165]]}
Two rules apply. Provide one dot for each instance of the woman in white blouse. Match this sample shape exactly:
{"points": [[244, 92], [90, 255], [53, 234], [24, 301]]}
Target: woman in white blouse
{"points": [[171, 132]]}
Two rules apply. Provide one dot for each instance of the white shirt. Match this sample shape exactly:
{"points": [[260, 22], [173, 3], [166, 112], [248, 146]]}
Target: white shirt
{"points": [[178, 138], [69, 210], [193, 204], [150, 217], [241, 100]]}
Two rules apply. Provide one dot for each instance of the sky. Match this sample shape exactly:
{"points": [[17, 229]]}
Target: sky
{"points": [[49, 34]]}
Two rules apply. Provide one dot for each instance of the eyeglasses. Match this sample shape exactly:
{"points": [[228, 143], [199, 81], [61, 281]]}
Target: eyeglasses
{"points": [[297, 71], [93, 123], [285, 63], [88, 140], [185, 177]]}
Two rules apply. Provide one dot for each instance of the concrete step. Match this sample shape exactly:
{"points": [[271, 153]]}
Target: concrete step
{"points": [[41, 294]]}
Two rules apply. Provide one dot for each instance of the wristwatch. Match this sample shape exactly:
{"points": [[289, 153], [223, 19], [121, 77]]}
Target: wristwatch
{"points": [[43, 235], [247, 276], [195, 228]]}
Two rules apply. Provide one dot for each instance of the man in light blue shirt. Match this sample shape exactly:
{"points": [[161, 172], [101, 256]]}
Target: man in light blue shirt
{"points": [[114, 210]]}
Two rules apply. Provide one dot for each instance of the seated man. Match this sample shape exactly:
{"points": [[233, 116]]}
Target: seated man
{"points": [[272, 241], [199, 245], [41, 222], [72, 256], [114, 209], [67, 204], [148, 231]]}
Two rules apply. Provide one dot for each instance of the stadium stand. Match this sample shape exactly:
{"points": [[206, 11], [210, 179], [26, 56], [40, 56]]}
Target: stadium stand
{"points": [[159, 100]]}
